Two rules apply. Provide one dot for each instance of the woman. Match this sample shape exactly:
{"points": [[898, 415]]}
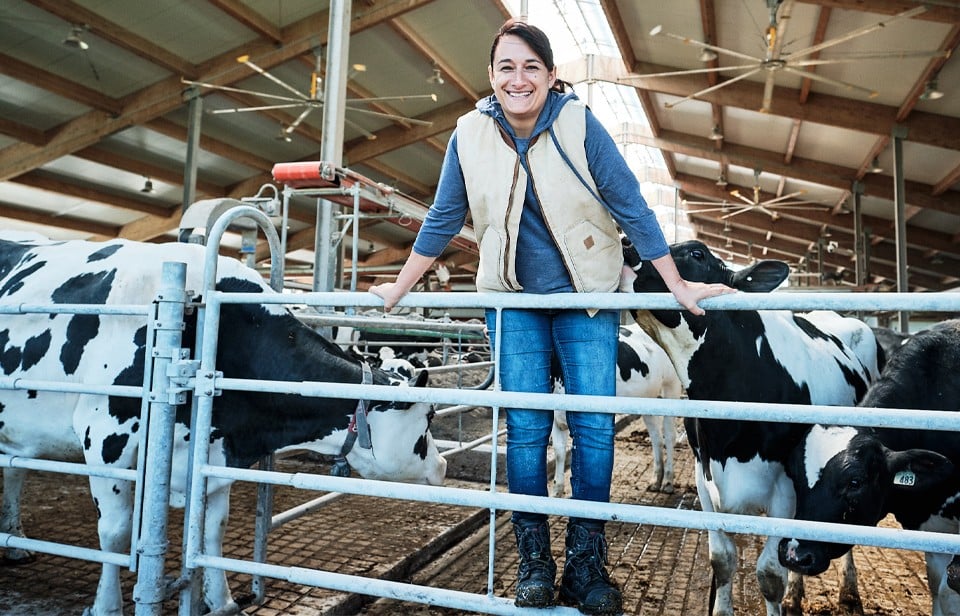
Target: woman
{"points": [[546, 186]]}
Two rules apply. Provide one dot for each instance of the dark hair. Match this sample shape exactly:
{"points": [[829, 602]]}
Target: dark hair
{"points": [[536, 39]]}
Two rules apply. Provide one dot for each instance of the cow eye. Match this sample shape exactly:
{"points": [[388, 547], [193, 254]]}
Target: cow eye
{"points": [[854, 484], [697, 253]]}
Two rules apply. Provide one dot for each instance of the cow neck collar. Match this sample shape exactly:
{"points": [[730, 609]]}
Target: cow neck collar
{"points": [[358, 429]]}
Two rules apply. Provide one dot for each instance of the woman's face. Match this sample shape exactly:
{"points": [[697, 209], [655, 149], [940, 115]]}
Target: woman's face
{"points": [[520, 82]]}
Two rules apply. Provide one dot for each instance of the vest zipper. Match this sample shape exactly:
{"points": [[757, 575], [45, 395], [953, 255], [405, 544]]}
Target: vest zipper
{"points": [[549, 226], [508, 240]]}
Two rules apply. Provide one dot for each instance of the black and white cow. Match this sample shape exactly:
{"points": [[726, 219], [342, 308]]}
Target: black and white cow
{"points": [[643, 371], [752, 356], [857, 475], [263, 342]]}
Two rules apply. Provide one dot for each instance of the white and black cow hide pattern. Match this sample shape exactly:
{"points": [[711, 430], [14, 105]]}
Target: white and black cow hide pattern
{"points": [[643, 371], [858, 475], [772, 356], [257, 342]]}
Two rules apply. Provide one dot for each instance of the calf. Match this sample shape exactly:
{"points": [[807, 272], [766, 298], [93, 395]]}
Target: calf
{"points": [[643, 371], [261, 342], [858, 475], [751, 356]]}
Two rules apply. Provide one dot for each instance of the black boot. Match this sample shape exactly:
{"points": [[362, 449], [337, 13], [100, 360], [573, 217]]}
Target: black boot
{"points": [[535, 578], [586, 583]]}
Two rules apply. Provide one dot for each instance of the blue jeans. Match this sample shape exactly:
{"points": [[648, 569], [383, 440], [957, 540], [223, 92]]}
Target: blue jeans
{"points": [[586, 348]]}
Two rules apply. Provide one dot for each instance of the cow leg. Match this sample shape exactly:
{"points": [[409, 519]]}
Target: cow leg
{"points": [[669, 440], [10, 514], [114, 500], [674, 391], [945, 600], [216, 591], [654, 424], [792, 604], [723, 560], [849, 602], [723, 556], [771, 577], [559, 437]]}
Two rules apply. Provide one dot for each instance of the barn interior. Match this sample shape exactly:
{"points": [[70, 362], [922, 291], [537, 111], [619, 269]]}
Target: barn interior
{"points": [[825, 133]]}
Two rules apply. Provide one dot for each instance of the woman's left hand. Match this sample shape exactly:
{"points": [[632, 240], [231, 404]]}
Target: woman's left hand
{"points": [[690, 293]]}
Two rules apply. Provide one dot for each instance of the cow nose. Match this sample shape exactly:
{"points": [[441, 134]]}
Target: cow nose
{"points": [[795, 559]]}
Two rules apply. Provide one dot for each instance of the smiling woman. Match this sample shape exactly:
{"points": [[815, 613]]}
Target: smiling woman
{"points": [[521, 80], [547, 189]]}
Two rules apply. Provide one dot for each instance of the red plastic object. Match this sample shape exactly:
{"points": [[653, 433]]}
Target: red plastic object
{"points": [[303, 175]]}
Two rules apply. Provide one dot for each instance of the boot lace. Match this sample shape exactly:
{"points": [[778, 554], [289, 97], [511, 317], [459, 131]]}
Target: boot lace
{"points": [[589, 556], [534, 550]]}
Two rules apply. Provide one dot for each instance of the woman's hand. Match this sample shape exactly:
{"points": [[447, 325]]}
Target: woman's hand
{"points": [[690, 293], [412, 271], [390, 292]]}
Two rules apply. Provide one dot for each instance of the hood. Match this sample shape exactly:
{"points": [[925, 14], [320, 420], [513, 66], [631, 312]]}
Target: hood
{"points": [[555, 101]]}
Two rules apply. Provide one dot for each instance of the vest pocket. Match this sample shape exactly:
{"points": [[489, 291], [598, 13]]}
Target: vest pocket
{"points": [[595, 256]]}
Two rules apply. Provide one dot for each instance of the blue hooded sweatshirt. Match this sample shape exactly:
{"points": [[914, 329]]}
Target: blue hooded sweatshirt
{"points": [[540, 268]]}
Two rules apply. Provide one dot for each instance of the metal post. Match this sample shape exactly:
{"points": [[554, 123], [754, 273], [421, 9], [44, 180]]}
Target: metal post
{"points": [[820, 259], [194, 114], [149, 591], [900, 220], [331, 145], [858, 239], [324, 257]]}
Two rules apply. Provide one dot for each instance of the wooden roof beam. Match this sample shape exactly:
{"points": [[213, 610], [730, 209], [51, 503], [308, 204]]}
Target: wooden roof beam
{"points": [[57, 221], [249, 18], [936, 12], [166, 95], [72, 12], [44, 180], [871, 118], [57, 84], [808, 170]]}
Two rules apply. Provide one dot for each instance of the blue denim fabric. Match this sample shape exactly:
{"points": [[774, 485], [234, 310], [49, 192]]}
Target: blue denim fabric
{"points": [[587, 349]]}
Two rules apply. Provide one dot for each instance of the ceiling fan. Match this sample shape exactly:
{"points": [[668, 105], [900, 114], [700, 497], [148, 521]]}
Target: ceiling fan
{"points": [[753, 202], [309, 102], [775, 61]]}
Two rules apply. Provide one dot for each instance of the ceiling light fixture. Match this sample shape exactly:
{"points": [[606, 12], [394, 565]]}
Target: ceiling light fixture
{"points": [[729, 243], [716, 134], [875, 166], [74, 40], [436, 78], [707, 55], [722, 180], [147, 187], [931, 91]]}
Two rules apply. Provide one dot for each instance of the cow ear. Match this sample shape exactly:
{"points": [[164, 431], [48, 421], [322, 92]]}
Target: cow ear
{"points": [[761, 277], [918, 469], [421, 379]]}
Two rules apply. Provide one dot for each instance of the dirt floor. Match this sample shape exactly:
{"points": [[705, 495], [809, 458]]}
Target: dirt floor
{"points": [[663, 571]]}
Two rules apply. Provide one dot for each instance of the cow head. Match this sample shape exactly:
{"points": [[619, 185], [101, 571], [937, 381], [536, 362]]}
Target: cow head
{"points": [[846, 475], [403, 448], [696, 263]]}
